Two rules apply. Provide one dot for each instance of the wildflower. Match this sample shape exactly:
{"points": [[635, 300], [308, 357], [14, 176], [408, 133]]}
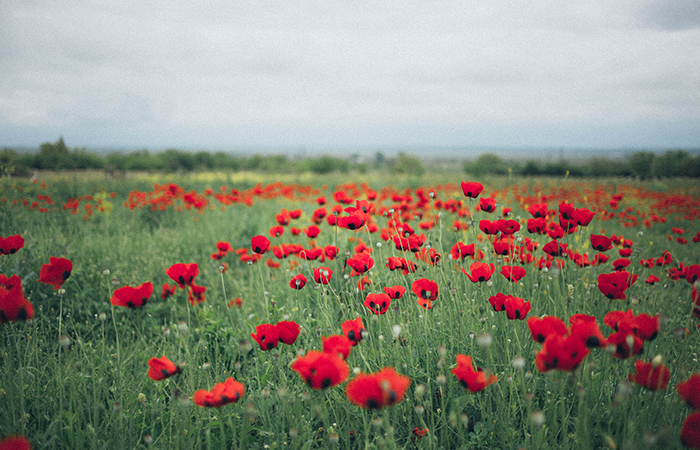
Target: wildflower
{"points": [[56, 272], [480, 272], [11, 244], [321, 370], [652, 280], [183, 274], [337, 344], [460, 251], [168, 291], [353, 329], [651, 376], [298, 281], [360, 263], [15, 442], [288, 331], [689, 391], [13, 304], [418, 433], [195, 294], [395, 292], [266, 335], [585, 328], [489, 227], [473, 380], [426, 290], [513, 273], [162, 368], [690, 432], [564, 353], [377, 303], [472, 189], [132, 297], [235, 302], [322, 275], [276, 231], [541, 329], [487, 204], [230, 391], [538, 210], [508, 227], [377, 390], [260, 244]]}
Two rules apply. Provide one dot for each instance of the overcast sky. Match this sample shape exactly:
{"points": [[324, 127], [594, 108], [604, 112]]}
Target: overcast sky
{"points": [[226, 74]]}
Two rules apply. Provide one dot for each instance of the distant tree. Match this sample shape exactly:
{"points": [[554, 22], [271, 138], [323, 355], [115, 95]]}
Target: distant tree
{"points": [[531, 168], [487, 163], [640, 164], [53, 155], [408, 164], [172, 160], [673, 163]]}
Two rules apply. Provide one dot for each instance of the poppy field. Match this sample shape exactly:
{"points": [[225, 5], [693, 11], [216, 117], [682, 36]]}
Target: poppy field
{"points": [[434, 312]]}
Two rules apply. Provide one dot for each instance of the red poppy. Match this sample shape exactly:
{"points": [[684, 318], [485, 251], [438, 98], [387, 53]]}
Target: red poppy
{"points": [[337, 344], [480, 272], [183, 274], [276, 231], [690, 431], [613, 285], [11, 244], [537, 210], [582, 216], [377, 303], [650, 377], [295, 213], [620, 264], [566, 210], [298, 281], [395, 292], [563, 353], [502, 247], [619, 344], [195, 294], [321, 370], [625, 252], [689, 391], [377, 390], [56, 272], [230, 391], [692, 273], [460, 251], [352, 329], [472, 189], [266, 335], [541, 329], [554, 230], [508, 227], [585, 328], [425, 289], [288, 331], [162, 368], [354, 221], [601, 243], [537, 226], [283, 218], [235, 302], [312, 232], [487, 204], [224, 247], [360, 263], [489, 227], [418, 434], [474, 380], [15, 442], [513, 273], [554, 248], [516, 308], [322, 275], [653, 279], [331, 251], [394, 263], [13, 304], [132, 297], [259, 244], [168, 291]]}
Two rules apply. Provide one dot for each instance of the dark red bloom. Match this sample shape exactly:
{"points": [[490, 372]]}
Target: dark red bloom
{"points": [[266, 335], [13, 304], [354, 221], [501, 247], [460, 251], [538, 210], [230, 391], [489, 227], [195, 294], [312, 232], [563, 353], [377, 390], [472, 189], [337, 344], [322, 275], [288, 331], [653, 279], [15, 442], [480, 271], [259, 244], [619, 344], [395, 292], [541, 329], [585, 328], [613, 285], [566, 210], [377, 303], [690, 431], [513, 273], [487, 204], [650, 377], [692, 273], [56, 272], [473, 380], [352, 329], [168, 291], [394, 263], [276, 231], [554, 248], [582, 216], [183, 274], [360, 263], [620, 263], [321, 370], [298, 281], [537, 225], [689, 390], [600, 242], [132, 297], [224, 247], [508, 227], [162, 368], [331, 251], [11, 244], [425, 289]]}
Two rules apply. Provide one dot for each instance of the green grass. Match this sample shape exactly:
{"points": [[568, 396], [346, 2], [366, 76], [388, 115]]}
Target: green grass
{"points": [[94, 393]]}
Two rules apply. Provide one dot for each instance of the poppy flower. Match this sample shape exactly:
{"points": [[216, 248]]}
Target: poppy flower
{"points": [[472, 189], [168, 291], [585, 328], [489, 227], [377, 303], [259, 244], [541, 329], [352, 329], [283, 218], [563, 353], [298, 281], [566, 210], [425, 289], [295, 213], [162, 368], [690, 431], [331, 251], [13, 304], [460, 251], [487, 204], [377, 390], [337, 344], [692, 273], [619, 344], [601, 243], [360, 263], [56, 272], [321, 370], [15, 442], [395, 292], [195, 294], [516, 308], [230, 391], [354, 221], [538, 210], [363, 282], [513, 273], [652, 280], [554, 230], [183, 274], [132, 297], [322, 275], [473, 380], [276, 231], [554, 248], [480, 272], [650, 377], [266, 335], [508, 227], [689, 391], [582, 216], [288, 331], [537, 226], [625, 252], [11, 244], [501, 247]]}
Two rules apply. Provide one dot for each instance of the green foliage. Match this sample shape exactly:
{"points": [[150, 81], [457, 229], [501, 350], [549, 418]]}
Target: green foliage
{"points": [[407, 164], [487, 164]]}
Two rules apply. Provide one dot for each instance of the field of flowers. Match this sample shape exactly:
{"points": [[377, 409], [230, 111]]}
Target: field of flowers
{"points": [[225, 313]]}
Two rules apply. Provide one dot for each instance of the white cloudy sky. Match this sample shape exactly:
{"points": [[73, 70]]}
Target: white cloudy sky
{"points": [[225, 74]]}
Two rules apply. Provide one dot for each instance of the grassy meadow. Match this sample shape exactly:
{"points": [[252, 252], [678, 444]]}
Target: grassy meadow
{"points": [[76, 374]]}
